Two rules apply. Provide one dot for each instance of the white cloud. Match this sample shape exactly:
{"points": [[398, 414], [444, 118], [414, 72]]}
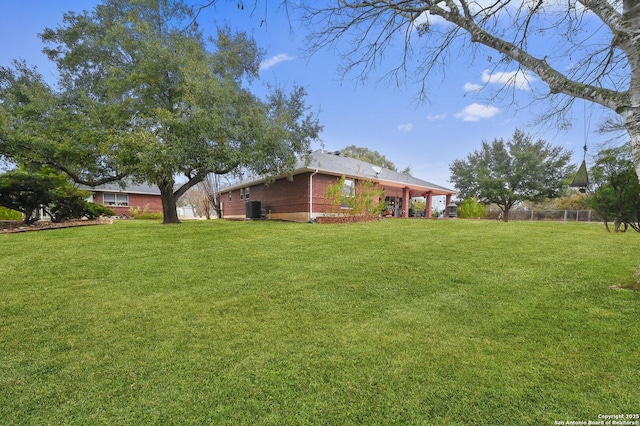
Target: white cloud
{"points": [[405, 127], [275, 60], [437, 116], [517, 79], [471, 87], [477, 112]]}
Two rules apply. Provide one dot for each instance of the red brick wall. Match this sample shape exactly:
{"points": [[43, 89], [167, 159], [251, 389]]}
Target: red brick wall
{"points": [[280, 197], [320, 185], [141, 201], [283, 198]]}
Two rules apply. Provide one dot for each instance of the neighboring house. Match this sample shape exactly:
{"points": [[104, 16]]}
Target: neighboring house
{"points": [[303, 198], [122, 199]]}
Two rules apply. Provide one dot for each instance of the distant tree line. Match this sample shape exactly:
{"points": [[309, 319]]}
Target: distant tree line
{"points": [[522, 171]]}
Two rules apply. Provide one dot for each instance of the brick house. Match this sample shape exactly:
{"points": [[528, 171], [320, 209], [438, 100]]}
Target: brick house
{"points": [[121, 200], [303, 198]]}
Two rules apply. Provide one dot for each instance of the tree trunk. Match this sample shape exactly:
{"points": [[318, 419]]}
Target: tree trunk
{"points": [[217, 208], [206, 203], [169, 205], [29, 218], [505, 215], [632, 124]]}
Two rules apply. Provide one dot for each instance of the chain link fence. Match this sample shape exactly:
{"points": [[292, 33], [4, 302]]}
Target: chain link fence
{"points": [[551, 215]]}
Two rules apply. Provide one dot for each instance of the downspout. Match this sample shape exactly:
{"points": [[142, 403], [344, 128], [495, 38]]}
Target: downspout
{"points": [[311, 195]]}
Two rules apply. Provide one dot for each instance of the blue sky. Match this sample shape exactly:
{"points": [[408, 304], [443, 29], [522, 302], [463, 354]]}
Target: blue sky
{"points": [[377, 115]]}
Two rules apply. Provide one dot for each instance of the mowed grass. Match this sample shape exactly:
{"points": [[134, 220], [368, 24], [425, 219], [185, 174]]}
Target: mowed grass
{"points": [[393, 322]]}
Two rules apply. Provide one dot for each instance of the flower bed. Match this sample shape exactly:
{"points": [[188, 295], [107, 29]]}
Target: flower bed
{"points": [[11, 226], [346, 219]]}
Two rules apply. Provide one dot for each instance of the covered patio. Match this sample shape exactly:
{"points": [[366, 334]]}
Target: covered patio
{"points": [[399, 198]]}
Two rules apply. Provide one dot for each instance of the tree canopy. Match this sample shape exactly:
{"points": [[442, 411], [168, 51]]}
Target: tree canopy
{"points": [[615, 192], [507, 173], [372, 156], [27, 191], [368, 155], [143, 93]]}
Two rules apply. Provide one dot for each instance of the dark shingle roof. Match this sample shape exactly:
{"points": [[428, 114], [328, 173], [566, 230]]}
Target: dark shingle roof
{"points": [[130, 188], [338, 164], [334, 163]]}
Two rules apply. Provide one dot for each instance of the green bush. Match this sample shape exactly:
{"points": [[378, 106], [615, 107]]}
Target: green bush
{"points": [[471, 208], [67, 203], [143, 213], [366, 198], [94, 211], [8, 214], [27, 191], [24, 191]]}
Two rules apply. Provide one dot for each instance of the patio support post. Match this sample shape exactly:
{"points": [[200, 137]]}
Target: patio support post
{"points": [[428, 202], [407, 202], [446, 205]]}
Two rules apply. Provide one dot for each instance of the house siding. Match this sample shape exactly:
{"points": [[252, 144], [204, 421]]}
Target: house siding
{"points": [[284, 199], [290, 199], [153, 203], [281, 199]]}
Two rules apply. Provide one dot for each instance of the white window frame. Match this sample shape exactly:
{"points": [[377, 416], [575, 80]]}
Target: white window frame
{"points": [[246, 193], [348, 191], [116, 199]]}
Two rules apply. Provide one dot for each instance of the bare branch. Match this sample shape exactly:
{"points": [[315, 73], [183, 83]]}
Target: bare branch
{"points": [[362, 19]]}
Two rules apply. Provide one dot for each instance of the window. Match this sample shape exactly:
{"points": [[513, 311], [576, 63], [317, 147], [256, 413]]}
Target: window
{"points": [[241, 193], [348, 191], [246, 193], [229, 196], [113, 199]]}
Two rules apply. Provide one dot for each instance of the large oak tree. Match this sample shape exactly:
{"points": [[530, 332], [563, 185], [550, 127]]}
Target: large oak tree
{"points": [[148, 96], [507, 173]]}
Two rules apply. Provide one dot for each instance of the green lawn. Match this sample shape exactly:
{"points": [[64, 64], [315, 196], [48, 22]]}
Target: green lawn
{"points": [[393, 322]]}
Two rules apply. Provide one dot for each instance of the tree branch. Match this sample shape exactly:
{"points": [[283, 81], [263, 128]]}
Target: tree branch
{"points": [[603, 10], [200, 176], [89, 182], [196, 179], [558, 82]]}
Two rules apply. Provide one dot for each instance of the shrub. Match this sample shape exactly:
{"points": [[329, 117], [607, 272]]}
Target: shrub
{"points": [[25, 192], [8, 214], [67, 203], [366, 199], [94, 210], [143, 213], [471, 208]]}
